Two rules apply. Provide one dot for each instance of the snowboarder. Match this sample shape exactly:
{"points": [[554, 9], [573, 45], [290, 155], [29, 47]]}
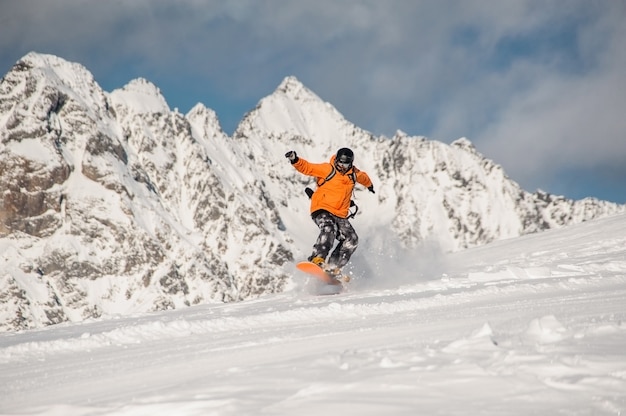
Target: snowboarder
{"points": [[330, 206]]}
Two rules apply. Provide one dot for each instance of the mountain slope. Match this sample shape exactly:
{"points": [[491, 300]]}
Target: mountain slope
{"points": [[527, 326], [113, 204], [426, 190]]}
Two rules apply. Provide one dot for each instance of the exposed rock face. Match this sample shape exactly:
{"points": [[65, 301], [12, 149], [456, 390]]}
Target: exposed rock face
{"points": [[112, 203], [425, 189], [109, 203]]}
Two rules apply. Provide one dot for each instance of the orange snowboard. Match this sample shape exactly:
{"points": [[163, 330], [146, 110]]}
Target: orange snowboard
{"points": [[317, 272]]}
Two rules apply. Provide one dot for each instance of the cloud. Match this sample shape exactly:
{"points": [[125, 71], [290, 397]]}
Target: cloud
{"points": [[565, 118], [537, 85]]}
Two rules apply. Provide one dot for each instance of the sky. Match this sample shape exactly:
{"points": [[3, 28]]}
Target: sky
{"points": [[539, 86]]}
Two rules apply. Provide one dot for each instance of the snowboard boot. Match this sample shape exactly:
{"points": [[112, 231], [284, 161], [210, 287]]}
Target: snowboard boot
{"points": [[317, 260], [335, 272]]}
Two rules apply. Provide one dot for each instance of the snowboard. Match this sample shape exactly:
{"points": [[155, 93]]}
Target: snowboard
{"points": [[317, 272]]}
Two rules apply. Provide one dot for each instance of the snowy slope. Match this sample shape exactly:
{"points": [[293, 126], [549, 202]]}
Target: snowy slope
{"points": [[111, 203], [426, 190], [531, 325]]}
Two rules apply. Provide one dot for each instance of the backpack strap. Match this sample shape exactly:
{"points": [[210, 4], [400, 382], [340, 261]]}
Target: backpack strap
{"points": [[332, 174], [351, 214], [329, 177]]}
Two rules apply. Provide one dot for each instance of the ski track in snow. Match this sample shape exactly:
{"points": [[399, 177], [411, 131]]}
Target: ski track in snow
{"points": [[533, 325]]}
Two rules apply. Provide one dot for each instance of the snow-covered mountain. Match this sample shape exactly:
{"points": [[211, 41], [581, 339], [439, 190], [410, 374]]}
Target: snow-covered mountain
{"points": [[111, 203], [534, 325]]}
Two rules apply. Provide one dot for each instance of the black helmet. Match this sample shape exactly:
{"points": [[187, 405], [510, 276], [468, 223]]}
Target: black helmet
{"points": [[345, 155], [344, 159]]}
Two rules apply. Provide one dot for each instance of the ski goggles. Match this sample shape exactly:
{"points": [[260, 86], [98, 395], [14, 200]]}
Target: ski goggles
{"points": [[343, 165]]}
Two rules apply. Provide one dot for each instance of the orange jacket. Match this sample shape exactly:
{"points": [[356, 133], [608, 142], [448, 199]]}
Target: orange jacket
{"points": [[333, 195]]}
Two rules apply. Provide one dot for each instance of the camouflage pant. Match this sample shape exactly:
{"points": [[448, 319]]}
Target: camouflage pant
{"points": [[331, 228]]}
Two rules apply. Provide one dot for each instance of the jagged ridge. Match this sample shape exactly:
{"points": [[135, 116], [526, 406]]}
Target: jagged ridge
{"points": [[112, 203]]}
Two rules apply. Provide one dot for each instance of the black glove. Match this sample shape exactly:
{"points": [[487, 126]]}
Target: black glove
{"points": [[292, 156], [371, 189]]}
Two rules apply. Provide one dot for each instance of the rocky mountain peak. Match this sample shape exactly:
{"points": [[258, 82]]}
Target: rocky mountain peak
{"points": [[294, 89], [205, 119], [465, 144], [62, 68], [141, 96], [113, 203]]}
